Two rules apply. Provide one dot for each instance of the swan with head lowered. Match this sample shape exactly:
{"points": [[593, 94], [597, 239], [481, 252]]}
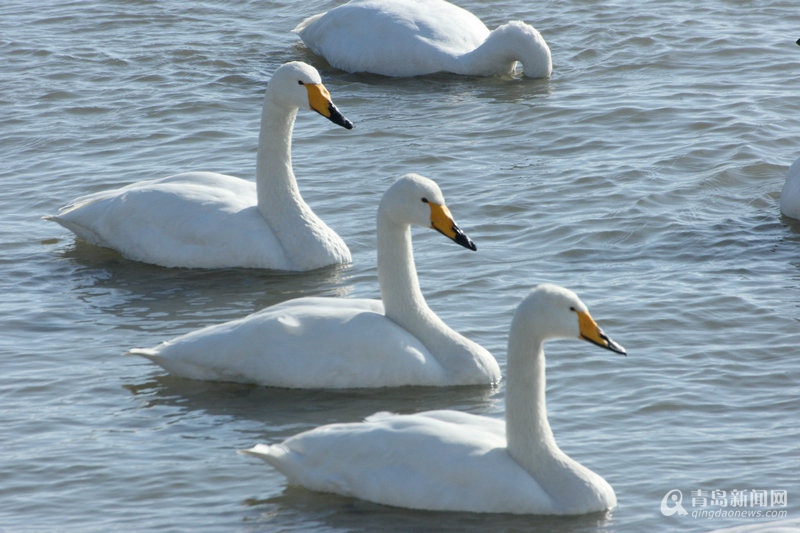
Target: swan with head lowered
{"points": [[210, 220], [417, 37], [346, 342], [455, 461]]}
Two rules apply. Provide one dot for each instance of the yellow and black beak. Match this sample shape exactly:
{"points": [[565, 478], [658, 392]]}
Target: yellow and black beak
{"points": [[591, 332], [320, 101], [442, 221]]}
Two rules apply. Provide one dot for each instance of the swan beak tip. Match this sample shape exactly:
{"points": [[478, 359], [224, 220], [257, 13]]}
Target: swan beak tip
{"points": [[606, 342], [337, 118], [590, 331], [319, 99], [616, 347], [457, 236], [442, 221], [466, 242]]}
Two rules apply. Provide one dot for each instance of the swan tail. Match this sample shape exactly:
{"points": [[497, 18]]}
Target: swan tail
{"points": [[259, 450], [271, 454], [308, 22], [83, 232], [149, 353], [77, 204]]}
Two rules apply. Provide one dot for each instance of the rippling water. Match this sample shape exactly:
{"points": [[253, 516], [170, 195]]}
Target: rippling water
{"points": [[644, 175]]}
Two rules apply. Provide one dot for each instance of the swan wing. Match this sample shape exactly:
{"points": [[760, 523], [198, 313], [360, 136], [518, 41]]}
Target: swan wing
{"points": [[195, 219], [304, 343]]}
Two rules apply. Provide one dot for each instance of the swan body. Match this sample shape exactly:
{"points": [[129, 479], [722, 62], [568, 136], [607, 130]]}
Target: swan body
{"points": [[344, 342], [210, 220], [417, 37], [790, 195], [453, 461]]}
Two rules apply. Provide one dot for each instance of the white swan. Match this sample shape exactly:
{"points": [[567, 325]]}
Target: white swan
{"points": [[453, 461], [790, 195], [416, 37], [345, 342], [209, 220]]}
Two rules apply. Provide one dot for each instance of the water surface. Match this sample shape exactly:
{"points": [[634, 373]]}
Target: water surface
{"points": [[644, 175]]}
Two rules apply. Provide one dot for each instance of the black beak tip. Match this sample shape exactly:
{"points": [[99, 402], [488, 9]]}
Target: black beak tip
{"points": [[465, 241], [337, 118], [607, 343], [614, 347], [797, 42]]}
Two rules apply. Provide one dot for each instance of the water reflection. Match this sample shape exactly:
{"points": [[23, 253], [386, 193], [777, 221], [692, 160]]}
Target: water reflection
{"points": [[135, 291], [792, 224], [515, 90], [285, 412], [339, 513]]}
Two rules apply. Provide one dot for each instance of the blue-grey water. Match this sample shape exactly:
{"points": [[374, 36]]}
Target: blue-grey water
{"points": [[644, 175]]}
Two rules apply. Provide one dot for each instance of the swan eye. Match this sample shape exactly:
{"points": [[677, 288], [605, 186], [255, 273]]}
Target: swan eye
{"points": [[572, 308], [300, 82], [424, 200]]}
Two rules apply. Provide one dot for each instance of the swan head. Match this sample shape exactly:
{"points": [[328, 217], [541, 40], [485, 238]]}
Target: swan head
{"points": [[417, 200], [555, 312], [526, 45], [298, 85]]}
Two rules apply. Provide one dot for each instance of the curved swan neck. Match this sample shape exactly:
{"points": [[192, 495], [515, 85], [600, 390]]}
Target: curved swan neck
{"points": [[397, 275], [312, 243], [530, 439], [461, 359], [507, 44], [275, 181]]}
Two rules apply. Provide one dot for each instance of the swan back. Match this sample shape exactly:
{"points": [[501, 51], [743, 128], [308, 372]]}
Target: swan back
{"points": [[401, 23]]}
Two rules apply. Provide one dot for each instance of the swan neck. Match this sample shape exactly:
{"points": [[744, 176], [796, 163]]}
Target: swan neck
{"points": [[570, 486], [397, 275], [275, 181], [306, 241], [461, 361], [507, 44], [530, 439]]}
